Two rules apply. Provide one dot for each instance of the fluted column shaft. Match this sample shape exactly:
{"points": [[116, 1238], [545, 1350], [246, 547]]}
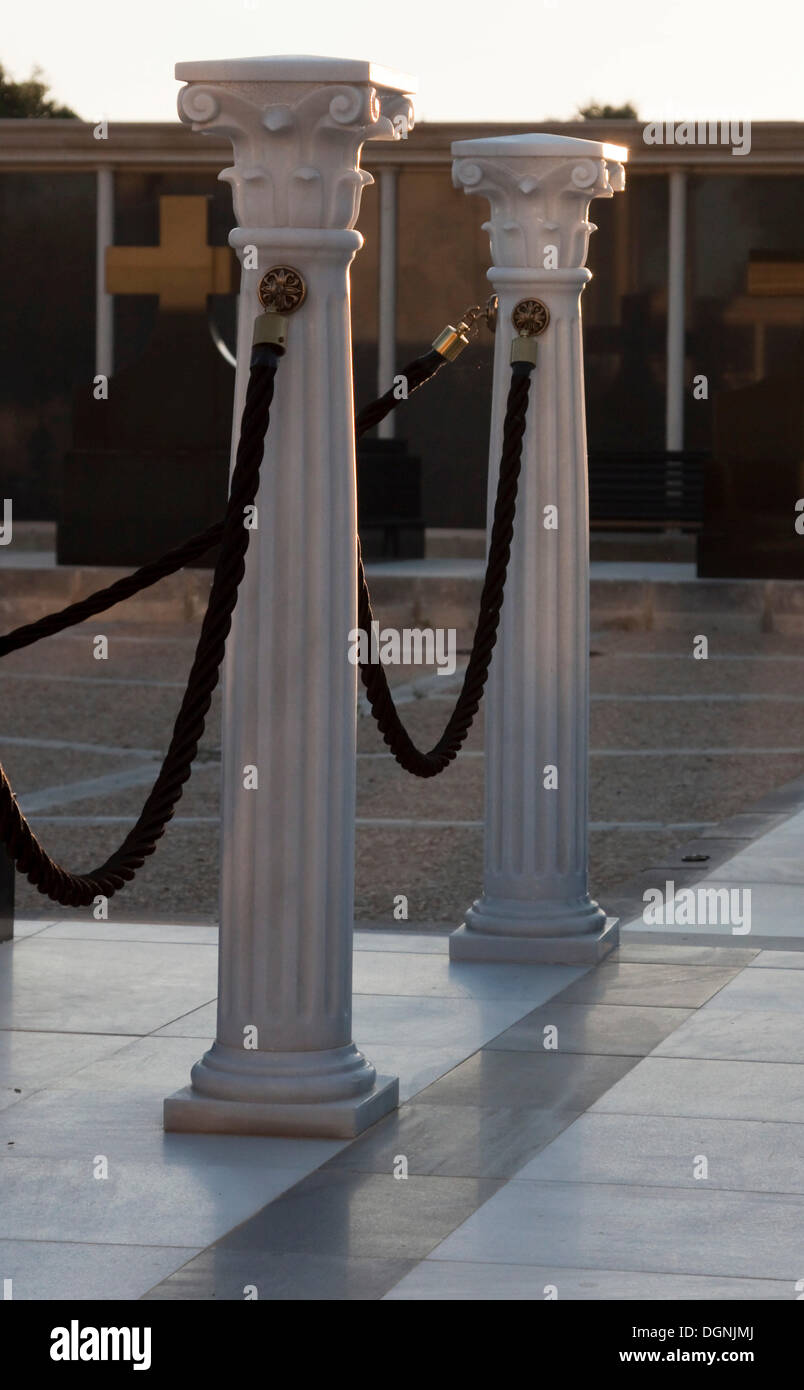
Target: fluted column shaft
{"points": [[289, 692], [535, 903], [283, 1061]]}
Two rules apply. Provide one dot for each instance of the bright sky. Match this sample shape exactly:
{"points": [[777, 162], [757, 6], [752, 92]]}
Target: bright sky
{"points": [[516, 60]]}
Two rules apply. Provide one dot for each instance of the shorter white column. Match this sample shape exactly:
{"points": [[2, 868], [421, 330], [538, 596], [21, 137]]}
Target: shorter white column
{"points": [[536, 904]]}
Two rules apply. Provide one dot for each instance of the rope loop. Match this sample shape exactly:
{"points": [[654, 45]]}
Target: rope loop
{"points": [[381, 702], [79, 890]]}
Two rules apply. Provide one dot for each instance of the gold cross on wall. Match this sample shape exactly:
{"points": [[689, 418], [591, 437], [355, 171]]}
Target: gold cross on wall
{"points": [[183, 269], [776, 274]]}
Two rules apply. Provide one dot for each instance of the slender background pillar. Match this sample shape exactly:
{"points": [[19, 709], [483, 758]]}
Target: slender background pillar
{"points": [[386, 331], [535, 903], [104, 302], [283, 1061], [676, 306]]}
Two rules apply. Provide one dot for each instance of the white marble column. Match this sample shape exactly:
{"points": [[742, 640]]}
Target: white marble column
{"points": [[535, 904], [283, 1061]]}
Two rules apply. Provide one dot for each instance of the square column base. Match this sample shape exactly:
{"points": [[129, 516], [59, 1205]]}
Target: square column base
{"points": [[586, 949], [188, 1111]]}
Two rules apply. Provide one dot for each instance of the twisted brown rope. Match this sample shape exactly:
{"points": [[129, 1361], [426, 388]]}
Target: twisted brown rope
{"points": [[416, 373], [79, 890], [411, 758], [102, 599]]}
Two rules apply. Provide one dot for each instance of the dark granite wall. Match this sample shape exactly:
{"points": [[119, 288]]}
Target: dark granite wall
{"points": [[47, 314], [47, 327]]}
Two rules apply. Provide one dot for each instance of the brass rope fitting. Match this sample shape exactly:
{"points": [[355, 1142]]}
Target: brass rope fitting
{"points": [[530, 318], [451, 342], [282, 290], [524, 349], [271, 328]]}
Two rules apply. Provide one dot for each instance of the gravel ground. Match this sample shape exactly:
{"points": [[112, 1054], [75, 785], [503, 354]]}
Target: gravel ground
{"points": [[688, 742]]}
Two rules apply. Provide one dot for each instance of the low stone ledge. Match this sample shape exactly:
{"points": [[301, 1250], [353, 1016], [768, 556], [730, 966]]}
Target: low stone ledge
{"points": [[445, 600]]}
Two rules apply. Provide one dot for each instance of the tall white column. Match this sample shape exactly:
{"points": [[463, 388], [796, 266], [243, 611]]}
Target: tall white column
{"points": [[283, 1061], [386, 328], [535, 904], [676, 297], [104, 303]]}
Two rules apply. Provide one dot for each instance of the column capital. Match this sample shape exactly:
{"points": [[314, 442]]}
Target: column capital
{"points": [[539, 188], [297, 126]]}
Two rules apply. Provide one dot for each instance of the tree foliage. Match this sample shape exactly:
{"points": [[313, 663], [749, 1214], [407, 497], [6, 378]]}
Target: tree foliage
{"points": [[20, 100], [596, 112]]}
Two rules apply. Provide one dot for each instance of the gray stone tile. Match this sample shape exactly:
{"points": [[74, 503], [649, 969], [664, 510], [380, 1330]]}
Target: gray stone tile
{"points": [[421, 943], [114, 987], [669, 986], [436, 976], [664, 953], [416, 1066], [746, 825], [626, 899], [197, 1023], [182, 1203], [420, 1022], [701, 853], [660, 1151], [454, 1140], [29, 1060], [226, 1274], [333, 1212], [177, 933], [779, 960], [44, 1270], [127, 1127], [661, 1230], [549, 1080], [617, 1029], [720, 1090], [774, 859], [448, 1281], [151, 1064], [777, 991], [30, 926], [751, 1036], [777, 914]]}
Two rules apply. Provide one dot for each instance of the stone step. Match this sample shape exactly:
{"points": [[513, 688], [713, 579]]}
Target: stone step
{"points": [[657, 597], [461, 543], [443, 592]]}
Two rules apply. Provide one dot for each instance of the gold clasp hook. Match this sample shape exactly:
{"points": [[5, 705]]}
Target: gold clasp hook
{"points": [[468, 323], [452, 341]]}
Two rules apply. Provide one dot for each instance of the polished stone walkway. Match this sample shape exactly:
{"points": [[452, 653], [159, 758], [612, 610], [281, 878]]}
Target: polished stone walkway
{"points": [[684, 1180], [593, 1170], [630, 1131], [100, 1023], [770, 868]]}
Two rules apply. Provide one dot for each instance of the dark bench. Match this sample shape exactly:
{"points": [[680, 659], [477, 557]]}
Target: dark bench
{"points": [[647, 489]]}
